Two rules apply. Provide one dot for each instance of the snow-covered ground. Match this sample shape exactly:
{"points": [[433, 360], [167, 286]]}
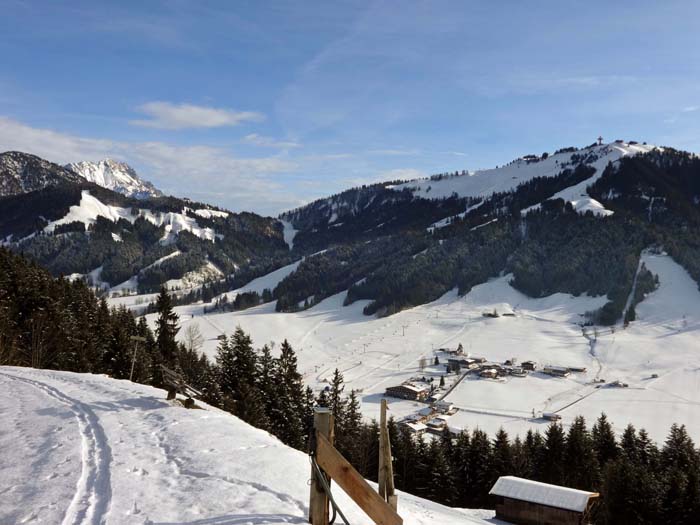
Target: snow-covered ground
{"points": [[91, 207], [85, 449], [483, 183], [376, 353]]}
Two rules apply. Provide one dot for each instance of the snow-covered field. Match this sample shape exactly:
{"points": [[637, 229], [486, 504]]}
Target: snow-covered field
{"points": [[85, 449], [376, 353]]}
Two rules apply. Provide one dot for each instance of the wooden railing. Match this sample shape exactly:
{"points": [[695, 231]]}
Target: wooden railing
{"points": [[380, 507]]}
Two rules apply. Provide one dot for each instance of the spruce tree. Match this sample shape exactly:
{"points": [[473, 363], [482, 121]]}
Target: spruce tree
{"points": [[551, 462], [604, 441], [166, 328], [502, 456], [480, 467], [582, 470], [288, 419]]}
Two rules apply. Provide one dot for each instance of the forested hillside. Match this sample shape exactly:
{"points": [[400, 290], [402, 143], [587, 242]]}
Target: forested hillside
{"points": [[547, 243], [74, 227], [575, 222]]}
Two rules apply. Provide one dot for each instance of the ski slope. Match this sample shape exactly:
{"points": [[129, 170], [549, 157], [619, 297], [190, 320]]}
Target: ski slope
{"points": [[376, 353], [92, 450]]}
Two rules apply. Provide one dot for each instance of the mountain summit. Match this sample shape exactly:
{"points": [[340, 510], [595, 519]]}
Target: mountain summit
{"points": [[23, 172], [116, 176]]}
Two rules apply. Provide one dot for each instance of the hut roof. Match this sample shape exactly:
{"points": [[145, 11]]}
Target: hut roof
{"points": [[542, 493]]}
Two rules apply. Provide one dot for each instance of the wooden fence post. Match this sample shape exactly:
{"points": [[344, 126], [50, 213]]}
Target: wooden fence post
{"points": [[318, 502]]}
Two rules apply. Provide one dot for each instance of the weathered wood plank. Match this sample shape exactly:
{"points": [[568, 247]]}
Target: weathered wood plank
{"points": [[354, 485], [318, 500]]}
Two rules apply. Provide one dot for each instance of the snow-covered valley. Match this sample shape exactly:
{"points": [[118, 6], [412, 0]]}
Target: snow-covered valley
{"points": [[88, 449], [375, 353]]}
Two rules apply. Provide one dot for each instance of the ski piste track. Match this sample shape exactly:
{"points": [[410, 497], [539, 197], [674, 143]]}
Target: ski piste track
{"points": [[91, 501]]}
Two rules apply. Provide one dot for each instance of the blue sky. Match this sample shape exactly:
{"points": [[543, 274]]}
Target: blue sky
{"points": [[265, 105]]}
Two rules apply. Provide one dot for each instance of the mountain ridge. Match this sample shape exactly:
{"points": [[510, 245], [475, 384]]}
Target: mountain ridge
{"points": [[117, 176]]}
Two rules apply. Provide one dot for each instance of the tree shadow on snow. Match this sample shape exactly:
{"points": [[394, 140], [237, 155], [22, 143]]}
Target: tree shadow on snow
{"points": [[238, 519]]}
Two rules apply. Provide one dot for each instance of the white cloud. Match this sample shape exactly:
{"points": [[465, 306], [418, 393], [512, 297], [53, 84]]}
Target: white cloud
{"points": [[690, 109], [165, 115], [269, 142], [233, 182], [393, 152]]}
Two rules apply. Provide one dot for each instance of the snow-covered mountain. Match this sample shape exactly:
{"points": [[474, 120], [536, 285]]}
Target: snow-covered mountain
{"points": [[88, 449], [22, 172], [116, 176]]}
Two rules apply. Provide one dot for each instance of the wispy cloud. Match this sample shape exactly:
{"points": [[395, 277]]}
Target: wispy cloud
{"points": [[165, 115], [394, 152], [268, 142], [237, 183], [690, 109]]}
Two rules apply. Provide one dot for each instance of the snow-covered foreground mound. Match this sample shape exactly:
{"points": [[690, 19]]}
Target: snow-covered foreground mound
{"points": [[78, 448]]}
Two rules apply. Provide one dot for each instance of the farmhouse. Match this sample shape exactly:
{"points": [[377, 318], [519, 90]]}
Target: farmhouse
{"points": [[416, 428], [490, 373], [408, 391], [529, 365], [456, 364], [525, 502], [443, 406], [558, 371]]}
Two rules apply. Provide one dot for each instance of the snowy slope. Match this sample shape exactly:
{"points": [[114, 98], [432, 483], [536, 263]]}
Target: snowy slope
{"points": [[483, 183], [116, 176], [98, 450], [91, 207]]}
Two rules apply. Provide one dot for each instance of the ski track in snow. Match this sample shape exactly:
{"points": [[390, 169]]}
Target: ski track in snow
{"points": [[91, 502], [166, 465]]}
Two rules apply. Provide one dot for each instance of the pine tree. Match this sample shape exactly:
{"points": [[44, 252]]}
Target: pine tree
{"points": [[582, 470], [228, 375], [166, 328], [441, 483], [480, 467], [350, 428], [288, 419], [461, 468], [265, 379], [604, 441], [336, 401], [551, 463], [502, 456]]}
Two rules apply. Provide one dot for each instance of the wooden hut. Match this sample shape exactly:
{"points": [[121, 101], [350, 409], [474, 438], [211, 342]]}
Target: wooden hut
{"points": [[526, 502], [408, 391]]}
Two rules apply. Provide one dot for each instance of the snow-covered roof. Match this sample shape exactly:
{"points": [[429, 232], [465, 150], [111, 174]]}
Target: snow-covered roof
{"points": [[542, 493], [414, 388]]}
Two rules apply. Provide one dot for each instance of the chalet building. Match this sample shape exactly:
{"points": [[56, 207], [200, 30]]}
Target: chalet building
{"points": [[443, 406], [456, 364], [416, 428], [529, 365], [526, 502], [408, 391], [489, 373], [558, 371]]}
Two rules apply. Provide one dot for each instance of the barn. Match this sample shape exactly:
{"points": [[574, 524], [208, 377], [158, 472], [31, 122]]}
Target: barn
{"points": [[526, 502]]}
